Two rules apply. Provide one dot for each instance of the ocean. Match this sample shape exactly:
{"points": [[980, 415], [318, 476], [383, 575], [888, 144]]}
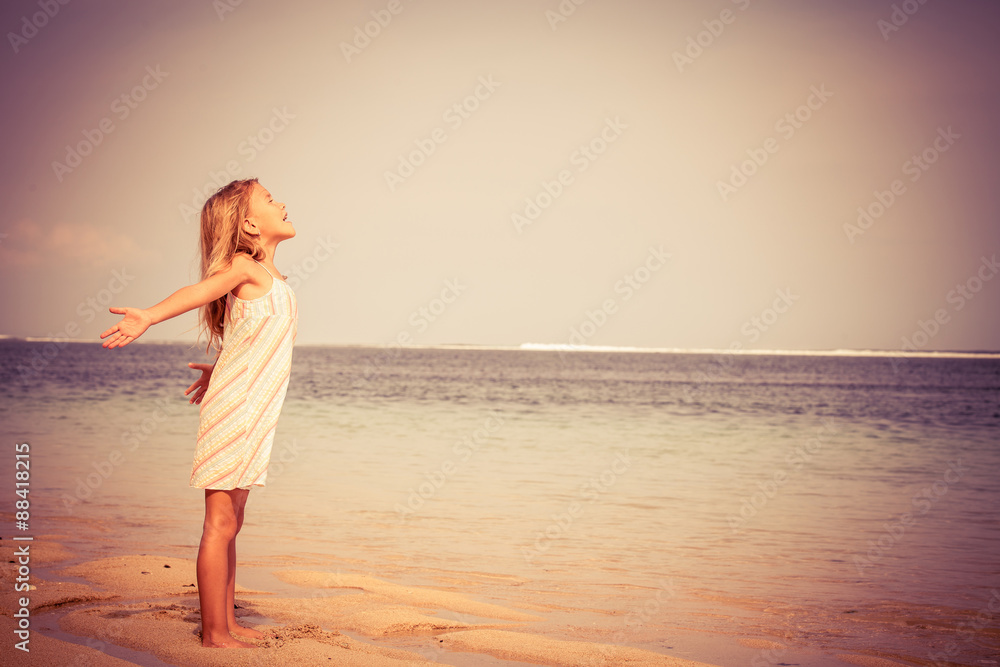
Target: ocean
{"points": [[820, 498]]}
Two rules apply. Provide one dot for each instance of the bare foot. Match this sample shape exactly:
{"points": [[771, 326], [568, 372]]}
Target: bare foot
{"points": [[249, 633], [225, 642]]}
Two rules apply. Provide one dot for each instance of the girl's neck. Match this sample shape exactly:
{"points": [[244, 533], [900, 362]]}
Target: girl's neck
{"points": [[269, 248]]}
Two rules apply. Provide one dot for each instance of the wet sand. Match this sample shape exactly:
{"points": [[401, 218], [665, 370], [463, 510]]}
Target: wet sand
{"points": [[148, 604], [142, 609]]}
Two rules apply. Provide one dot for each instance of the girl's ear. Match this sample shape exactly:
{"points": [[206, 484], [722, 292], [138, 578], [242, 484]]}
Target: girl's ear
{"points": [[249, 228]]}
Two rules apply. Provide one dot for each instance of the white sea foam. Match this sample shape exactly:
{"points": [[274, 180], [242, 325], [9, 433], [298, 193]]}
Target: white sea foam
{"points": [[562, 347]]}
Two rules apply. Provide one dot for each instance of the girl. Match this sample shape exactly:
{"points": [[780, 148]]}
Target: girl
{"points": [[250, 316]]}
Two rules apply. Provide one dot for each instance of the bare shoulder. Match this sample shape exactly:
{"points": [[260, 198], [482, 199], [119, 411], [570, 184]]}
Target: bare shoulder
{"points": [[246, 269], [253, 281], [242, 262]]}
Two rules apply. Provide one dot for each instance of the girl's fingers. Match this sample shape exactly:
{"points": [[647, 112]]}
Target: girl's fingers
{"points": [[201, 384]]}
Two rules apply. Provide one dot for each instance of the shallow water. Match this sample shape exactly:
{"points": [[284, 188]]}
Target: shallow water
{"points": [[821, 485]]}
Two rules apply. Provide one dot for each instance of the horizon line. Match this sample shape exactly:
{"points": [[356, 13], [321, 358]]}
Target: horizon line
{"points": [[563, 347]]}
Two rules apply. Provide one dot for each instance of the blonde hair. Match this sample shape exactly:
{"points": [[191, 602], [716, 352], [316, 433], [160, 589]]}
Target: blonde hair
{"points": [[222, 236]]}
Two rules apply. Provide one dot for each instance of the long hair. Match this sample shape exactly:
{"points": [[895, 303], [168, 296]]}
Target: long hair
{"points": [[222, 236]]}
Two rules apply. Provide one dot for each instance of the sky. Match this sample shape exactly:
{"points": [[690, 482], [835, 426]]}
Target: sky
{"points": [[757, 174]]}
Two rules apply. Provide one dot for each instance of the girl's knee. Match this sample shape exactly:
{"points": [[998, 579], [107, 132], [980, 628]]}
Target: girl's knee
{"points": [[220, 526], [223, 513]]}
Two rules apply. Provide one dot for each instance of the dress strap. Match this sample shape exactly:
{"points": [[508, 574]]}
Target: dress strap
{"points": [[265, 268]]}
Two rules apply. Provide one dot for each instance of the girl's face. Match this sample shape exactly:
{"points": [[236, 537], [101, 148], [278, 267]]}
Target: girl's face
{"points": [[268, 217]]}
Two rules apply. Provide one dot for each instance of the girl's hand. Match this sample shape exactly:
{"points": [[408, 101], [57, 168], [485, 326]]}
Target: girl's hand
{"points": [[135, 322], [201, 384]]}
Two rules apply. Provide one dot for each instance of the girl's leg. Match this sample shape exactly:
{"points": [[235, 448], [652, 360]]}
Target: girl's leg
{"points": [[234, 627], [221, 525]]}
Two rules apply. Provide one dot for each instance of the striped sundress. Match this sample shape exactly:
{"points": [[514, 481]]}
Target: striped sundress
{"points": [[241, 405]]}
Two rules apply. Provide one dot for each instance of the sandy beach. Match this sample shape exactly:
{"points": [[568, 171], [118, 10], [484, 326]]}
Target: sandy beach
{"points": [[143, 609], [148, 604]]}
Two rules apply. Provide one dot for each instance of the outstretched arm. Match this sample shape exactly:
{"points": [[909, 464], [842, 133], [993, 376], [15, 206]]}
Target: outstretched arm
{"points": [[137, 320]]}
